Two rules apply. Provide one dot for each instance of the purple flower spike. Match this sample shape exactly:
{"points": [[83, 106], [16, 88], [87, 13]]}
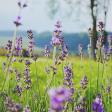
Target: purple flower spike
{"points": [[84, 82], [17, 21], [68, 79], [57, 35], [97, 105], [58, 97], [47, 51]]}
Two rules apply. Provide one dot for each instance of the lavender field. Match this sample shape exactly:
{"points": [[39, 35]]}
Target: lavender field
{"points": [[52, 79]]}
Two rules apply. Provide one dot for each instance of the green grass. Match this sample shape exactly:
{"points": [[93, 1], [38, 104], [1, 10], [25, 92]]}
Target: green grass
{"points": [[35, 97]]}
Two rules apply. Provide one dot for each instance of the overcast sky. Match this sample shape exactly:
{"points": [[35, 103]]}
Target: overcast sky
{"points": [[35, 17]]}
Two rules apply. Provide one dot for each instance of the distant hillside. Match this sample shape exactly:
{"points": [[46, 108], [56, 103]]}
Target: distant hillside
{"points": [[71, 39], [44, 38]]}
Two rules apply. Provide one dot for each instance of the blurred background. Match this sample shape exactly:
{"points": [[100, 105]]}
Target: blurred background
{"points": [[77, 16]]}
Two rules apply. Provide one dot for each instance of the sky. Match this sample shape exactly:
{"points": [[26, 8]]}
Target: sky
{"points": [[35, 17]]}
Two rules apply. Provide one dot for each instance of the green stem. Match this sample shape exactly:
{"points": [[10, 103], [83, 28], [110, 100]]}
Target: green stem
{"points": [[54, 54], [9, 61]]}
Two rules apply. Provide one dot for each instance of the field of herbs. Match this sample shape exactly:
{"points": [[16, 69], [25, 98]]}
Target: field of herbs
{"points": [[55, 82]]}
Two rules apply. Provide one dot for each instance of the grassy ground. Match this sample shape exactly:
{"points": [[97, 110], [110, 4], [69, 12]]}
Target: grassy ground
{"points": [[36, 97]]}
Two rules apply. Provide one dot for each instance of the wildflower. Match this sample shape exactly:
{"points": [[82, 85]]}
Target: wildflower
{"points": [[3, 66], [57, 35], [20, 60], [8, 48], [58, 97], [27, 78], [21, 5], [47, 51], [10, 70], [17, 22], [68, 77], [35, 57], [84, 82], [18, 75], [54, 69], [18, 89], [18, 46], [108, 89], [64, 53], [47, 70], [14, 59], [11, 106], [97, 105], [80, 48], [31, 42], [27, 109], [81, 106], [27, 63]]}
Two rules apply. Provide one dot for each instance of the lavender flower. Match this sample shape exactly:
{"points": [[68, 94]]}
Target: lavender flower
{"points": [[54, 69], [11, 106], [47, 70], [27, 63], [18, 75], [81, 106], [27, 109], [17, 22], [64, 53], [27, 78], [18, 89], [3, 66], [97, 105], [18, 46], [31, 42], [57, 35], [100, 42], [108, 89], [47, 51], [68, 77], [22, 5], [84, 82], [8, 48], [58, 97]]}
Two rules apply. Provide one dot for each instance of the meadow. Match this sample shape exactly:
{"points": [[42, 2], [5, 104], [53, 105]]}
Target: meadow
{"points": [[36, 97], [55, 81]]}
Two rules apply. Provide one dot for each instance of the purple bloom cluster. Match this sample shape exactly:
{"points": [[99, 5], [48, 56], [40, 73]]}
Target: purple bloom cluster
{"points": [[58, 98], [47, 51], [103, 52], [18, 46], [11, 106], [57, 35], [97, 105], [21, 4], [27, 109], [64, 52], [18, 89], [68, 78], [18, 75], [27, 78], [9, 48], [84, 82], [81, 107], [31, 42], [17, 22]]}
